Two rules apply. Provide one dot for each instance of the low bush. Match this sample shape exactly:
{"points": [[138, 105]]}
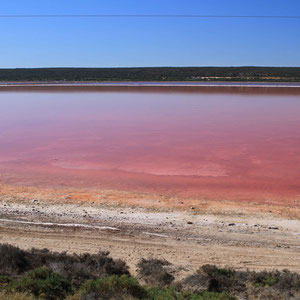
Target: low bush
{"points": [[76, 268], [213, 279], [13, 260], [274, 285], [42, 283], [42, 274], [113, 287], [79, 268], [124, 287], [153, 271], [160, 293], [281, 281], [246, 284], [5, 280], [15, 296]]}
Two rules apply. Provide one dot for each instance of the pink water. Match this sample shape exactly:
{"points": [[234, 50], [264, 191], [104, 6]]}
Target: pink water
{"points": [[239, 144]]}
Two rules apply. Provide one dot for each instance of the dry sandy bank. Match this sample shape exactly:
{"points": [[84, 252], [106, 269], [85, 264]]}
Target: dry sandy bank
{"points": [[227, 234]]}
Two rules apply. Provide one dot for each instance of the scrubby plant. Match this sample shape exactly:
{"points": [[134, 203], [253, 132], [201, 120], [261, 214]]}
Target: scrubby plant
{"points": [[274, 285], [214, 279], [124, 288], [15, 296], [42, 283], [112, 287], [284, 280], [5, 280], [247, 284], [42, 274], [76, 268], [160, 293], [153, 271], [13, 260]]}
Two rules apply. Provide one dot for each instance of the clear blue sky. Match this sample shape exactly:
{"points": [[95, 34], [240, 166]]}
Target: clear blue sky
{"points": [[149, 42]]}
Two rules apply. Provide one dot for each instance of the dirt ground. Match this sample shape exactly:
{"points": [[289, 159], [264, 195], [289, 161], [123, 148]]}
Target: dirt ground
{"points": [[186, 232]]}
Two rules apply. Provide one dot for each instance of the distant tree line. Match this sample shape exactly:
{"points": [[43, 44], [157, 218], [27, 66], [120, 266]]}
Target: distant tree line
{"points": [[291, 74]]}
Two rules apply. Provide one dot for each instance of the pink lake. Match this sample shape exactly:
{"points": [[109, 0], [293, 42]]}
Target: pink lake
{"points": [[219, 143]]}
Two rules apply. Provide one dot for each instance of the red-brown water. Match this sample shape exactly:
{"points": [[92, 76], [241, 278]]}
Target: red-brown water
{"points": [[238, 144]]}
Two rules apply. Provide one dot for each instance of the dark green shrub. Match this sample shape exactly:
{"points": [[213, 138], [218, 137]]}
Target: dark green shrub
{"points": [[274, 285], [160, 293], [4, 295], [124, 287], [91, 266], [213, 279], [13, 260], [213, 271], [113, 287], [284, 280], [5, 280], [79, 268], [76, 268], [153, 271], [43, 283], [55, 273]]}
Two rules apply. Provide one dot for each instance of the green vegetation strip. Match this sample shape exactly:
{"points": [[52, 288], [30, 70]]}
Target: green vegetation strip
{"points": [[41, 274]]}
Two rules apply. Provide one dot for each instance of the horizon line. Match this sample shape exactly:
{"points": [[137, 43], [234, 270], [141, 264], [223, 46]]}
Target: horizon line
{"points": [[145, 67]]}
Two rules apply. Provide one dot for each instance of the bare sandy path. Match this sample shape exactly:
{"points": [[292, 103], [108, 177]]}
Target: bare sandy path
{"points": [[185, 255]]}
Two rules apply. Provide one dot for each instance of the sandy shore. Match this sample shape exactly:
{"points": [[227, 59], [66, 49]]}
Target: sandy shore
{"points": [[227, 234]]}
